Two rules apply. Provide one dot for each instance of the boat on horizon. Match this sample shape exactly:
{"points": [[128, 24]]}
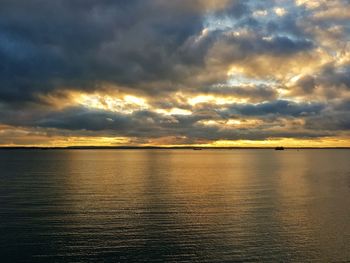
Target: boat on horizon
{"points": [[197, 149], [279, 148]]}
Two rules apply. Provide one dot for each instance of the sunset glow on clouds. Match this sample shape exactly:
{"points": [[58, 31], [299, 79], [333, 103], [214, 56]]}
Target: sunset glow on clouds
{"points": [[157, 72]]}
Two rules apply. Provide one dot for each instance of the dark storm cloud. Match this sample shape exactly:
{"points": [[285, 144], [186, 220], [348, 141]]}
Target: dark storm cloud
{"points": [[166, 50], [85, 119], [47, 45], [282, 45], [146, 124], [278, 107], [240, 48], [307, 84], [336, 121], [329, 81], [335, 76]]}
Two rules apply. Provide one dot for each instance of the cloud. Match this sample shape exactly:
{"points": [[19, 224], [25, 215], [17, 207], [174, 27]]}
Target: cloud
{"points": [[278, 107], [338, 121], [135, 43], [256, 69]]}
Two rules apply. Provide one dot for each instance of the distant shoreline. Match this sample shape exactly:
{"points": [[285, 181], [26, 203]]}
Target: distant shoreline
{"points": [[162, 148]]}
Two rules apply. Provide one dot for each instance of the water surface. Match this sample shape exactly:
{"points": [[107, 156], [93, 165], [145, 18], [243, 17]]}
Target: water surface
{"points": [[175, 206]]}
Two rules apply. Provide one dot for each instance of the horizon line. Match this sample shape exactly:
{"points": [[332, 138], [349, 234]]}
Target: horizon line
{"points": [[128, 147]]}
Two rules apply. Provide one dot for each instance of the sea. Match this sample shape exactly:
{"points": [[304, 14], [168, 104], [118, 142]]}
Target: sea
{"points": [[175, 205]]}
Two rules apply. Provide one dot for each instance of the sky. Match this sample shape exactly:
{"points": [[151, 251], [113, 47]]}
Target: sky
{"points": [[184, 72]]}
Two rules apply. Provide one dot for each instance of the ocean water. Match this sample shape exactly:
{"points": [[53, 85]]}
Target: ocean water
{"points": [[174, 206]]}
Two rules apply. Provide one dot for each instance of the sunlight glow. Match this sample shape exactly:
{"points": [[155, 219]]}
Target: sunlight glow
{"points": [[125, 104], [217, 100], [231, 123], [280, 11], [173, 111]]}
